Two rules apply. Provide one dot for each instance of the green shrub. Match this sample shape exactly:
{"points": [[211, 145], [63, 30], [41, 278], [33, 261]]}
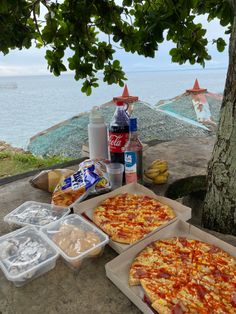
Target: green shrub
{"points": [[5, 154]]}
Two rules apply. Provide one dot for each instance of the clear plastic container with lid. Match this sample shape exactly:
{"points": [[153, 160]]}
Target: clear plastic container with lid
{"points": [[75, 239], [36, 214], [25, 255]]}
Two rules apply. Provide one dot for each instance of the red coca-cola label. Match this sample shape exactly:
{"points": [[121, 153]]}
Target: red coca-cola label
{"points": [[117, 141]]}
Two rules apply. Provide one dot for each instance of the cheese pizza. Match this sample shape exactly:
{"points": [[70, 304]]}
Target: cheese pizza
{"points": [[181, 275], [127, 218]]}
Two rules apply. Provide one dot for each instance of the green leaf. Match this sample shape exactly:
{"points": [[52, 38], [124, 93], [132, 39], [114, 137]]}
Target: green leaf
{"points": [[116, 63], [127, 3], [37, 8], [220, 44], [88, 91]]}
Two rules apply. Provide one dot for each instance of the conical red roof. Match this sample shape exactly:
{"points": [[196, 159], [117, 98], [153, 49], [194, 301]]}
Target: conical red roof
{"points": [[125, 92], [196, 88], [126, 97]]}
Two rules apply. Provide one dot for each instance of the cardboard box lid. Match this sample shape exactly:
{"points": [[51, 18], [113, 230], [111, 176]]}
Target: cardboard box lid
{"points": [[117, 270], [87, 207]]}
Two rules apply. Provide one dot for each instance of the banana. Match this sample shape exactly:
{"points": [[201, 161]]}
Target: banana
{"points": [[157, 172], [157, 163], [152, 173], [165, 173], [147, 180], [161, 179], [152, 170], [162, 168]]}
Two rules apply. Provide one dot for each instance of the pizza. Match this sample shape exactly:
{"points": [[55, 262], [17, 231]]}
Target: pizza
{"points": [[68, 197], [180, 275], [127, 218]]}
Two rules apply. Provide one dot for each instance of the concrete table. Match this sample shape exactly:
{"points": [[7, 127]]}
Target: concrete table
{"points": [[88, 291], [186, 157], [61, 290]]}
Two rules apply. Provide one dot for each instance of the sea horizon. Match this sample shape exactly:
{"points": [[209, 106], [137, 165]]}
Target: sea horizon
{"points": [[40, 101], [181, 69]]}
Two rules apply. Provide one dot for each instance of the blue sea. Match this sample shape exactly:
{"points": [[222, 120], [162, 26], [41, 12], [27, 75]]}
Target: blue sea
{"points": [[30, 104]]}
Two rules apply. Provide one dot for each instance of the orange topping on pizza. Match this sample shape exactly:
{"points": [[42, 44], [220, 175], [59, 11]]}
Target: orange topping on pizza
{"points": [[127, 218], [181, 275]]}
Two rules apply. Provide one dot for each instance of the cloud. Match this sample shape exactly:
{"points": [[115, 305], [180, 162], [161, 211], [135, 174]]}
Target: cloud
{"points": [[18, 70], [32, 62]]}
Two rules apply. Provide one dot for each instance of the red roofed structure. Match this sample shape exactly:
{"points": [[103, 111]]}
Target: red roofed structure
{"points": [[196, 88], [126, 97], [199, 106]]}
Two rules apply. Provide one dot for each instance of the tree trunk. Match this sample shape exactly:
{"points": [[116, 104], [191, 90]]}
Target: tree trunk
{"points": [[219, 211]]}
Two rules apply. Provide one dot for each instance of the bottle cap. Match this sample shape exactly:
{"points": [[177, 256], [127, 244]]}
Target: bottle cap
{"points": [[95, 116], [133, 124], [120, 103]]}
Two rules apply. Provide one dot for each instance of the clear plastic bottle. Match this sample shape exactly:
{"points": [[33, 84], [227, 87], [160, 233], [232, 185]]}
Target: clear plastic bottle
{"points": [[97, 135], [133, 155]]}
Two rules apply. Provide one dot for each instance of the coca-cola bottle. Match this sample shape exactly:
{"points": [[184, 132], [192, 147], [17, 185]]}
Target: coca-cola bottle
{"points": [[118, 133]]}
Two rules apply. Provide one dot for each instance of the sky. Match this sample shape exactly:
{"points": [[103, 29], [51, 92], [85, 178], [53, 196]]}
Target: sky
{"points": [[32, 62]]}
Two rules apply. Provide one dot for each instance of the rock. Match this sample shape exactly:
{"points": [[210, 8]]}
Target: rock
{"points": [[4, 146]]}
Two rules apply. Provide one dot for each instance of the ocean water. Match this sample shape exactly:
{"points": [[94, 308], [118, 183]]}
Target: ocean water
{"points": [[30, 104]]}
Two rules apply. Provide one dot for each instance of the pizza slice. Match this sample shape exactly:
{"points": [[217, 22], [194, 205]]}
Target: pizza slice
{"points": [[141, 271], [192, 299], [122, 233], [163, 287], [206, 253], [216, 297], [163, 256], [151, 258], [223, 297], [159, 293], [219, 304]]}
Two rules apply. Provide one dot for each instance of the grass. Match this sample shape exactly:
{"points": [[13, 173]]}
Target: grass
{"points": [[12, 163]]}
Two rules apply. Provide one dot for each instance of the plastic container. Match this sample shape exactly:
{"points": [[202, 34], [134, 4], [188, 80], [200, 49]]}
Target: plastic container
{"points": [[115, 172], [97, 135], [25, 255], [35, 214], [75, 239]]}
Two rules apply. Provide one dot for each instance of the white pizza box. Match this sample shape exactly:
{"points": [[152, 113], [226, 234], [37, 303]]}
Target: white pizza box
{"points": [[87, 208], [117, 270]]}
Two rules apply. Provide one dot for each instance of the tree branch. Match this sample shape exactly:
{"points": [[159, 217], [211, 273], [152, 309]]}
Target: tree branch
{"points": [[232, 3], [36, 23]]}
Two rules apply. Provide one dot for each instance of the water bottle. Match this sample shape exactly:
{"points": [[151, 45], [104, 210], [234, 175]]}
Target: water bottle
{"points": [[97, 136]]}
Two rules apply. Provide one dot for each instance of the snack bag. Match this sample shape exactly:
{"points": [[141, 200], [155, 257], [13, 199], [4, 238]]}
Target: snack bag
{"points": [[103, 184], [47, 180], [76, 187]]}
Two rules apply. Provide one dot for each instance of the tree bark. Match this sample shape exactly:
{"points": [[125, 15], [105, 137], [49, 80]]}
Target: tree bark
{"points": [[219, 211]]}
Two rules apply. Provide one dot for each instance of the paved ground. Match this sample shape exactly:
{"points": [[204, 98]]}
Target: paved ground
{"points": [[88, 291]]}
